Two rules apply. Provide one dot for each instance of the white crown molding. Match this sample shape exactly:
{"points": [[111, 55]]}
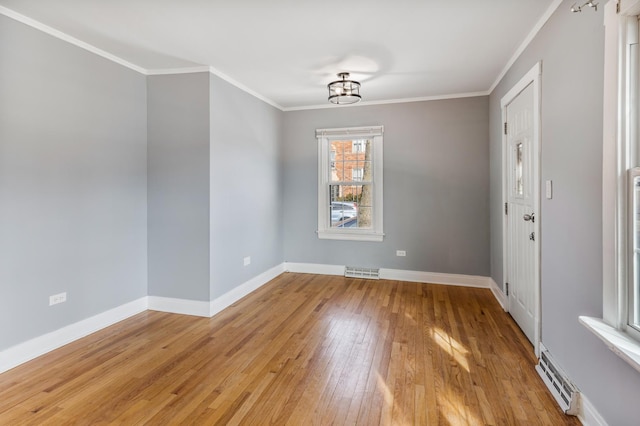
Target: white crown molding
{"points": [[244, 88], [534, 32], [203, 68], [69, 39], [182, 70], [95, 50], [391, 101], [26, 351], [195, 69]]}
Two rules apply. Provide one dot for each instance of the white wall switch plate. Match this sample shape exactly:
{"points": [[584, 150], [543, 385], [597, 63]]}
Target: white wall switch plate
{"points": [[549, 189], [401, 253], [247, 260]]}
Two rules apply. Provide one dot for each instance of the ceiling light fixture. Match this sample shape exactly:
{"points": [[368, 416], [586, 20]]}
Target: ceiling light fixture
{"points": [[344, 91]]}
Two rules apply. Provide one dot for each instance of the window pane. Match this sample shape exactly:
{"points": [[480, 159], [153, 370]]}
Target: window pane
{"points": [[337, 173], [634, 308], [519, 170], [351, 206]]}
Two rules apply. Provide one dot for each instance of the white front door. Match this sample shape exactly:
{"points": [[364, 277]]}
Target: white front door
{"points": [[521, 214]]}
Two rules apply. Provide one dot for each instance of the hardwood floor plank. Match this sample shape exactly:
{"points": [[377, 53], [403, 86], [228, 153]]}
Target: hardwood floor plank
{"points": [[301, 350]]}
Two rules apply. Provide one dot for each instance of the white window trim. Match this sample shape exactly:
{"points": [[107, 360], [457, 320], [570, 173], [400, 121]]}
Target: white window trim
{"points": [[325, 231], [612, 329]]}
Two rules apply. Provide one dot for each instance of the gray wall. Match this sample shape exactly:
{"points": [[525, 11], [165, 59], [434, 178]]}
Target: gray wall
{"points": [[246, 186], [436, 186], [72, 183], [571, 49], [178, 185]]}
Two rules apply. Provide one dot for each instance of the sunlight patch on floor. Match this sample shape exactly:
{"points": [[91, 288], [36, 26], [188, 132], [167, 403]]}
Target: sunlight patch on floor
{"points": [[452, 347], [453, 409]]}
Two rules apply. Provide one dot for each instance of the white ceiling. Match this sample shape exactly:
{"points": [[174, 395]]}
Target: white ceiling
{"points": [[286, 51]]}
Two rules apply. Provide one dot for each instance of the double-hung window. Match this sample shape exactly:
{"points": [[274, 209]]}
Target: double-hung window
{"points": [[619, 327], [350, 183]]}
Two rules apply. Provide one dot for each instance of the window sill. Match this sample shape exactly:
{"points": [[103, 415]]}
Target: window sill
{"points": [[350, 236], [618, 341]]}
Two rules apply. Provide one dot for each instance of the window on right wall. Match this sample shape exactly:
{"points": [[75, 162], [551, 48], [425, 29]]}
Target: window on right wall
{"points": [[628, 254], [619, 327]]}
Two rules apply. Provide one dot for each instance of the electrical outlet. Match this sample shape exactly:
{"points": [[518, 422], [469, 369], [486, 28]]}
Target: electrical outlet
{"points": [[401, 253], [57, 298], [247, 260]]}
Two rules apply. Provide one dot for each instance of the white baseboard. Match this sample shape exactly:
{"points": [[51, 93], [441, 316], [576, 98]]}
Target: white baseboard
{"points": [[435, 278], [199, 308], [241, 291], [411, 276], [589, 416], [26, 351], [498, 294], [314, 268], [205, 308], [31, 349], [396, 274]]}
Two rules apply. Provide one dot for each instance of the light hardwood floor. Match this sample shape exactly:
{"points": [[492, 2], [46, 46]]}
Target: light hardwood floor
{"points": [[302, 350]]}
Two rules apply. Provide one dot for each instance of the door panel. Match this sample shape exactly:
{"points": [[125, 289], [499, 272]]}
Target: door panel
{"points": [[521, 240]]}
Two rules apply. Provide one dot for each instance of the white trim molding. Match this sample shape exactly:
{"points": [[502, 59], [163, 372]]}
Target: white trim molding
{"points": [[393, 101], [498, 294], [621, 33], [617, 340], [232, 296], [531, 78], [435, 278], [181, 70], [208, 308], [198, 308], [26, 351], [314, 268], [69, 39], [525, 43], [588, 414], [398, 275], [327, 179]]}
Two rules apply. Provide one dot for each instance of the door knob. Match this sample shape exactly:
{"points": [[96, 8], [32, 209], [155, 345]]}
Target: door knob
{"points": [[529, 217]]}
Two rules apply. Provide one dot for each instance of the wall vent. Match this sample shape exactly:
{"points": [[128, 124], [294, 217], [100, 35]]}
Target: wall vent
{"points": [[565, 392], [355, 272]]}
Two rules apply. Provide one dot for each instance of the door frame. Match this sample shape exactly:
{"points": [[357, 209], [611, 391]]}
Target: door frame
{"points": [[531, 77]]}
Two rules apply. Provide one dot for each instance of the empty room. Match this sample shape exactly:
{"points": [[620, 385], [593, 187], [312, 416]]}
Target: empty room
{"points": [[363, 213]]}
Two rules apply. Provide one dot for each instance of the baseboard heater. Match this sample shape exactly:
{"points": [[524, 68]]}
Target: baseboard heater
{"points": [[355, 272], [565, 392]]}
